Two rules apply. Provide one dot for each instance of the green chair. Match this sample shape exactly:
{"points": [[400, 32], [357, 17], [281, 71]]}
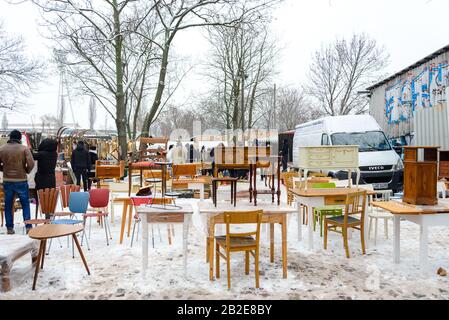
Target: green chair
{"points": [[322, 212]]}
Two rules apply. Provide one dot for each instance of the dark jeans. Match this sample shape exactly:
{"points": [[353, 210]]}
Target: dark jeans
{"points": [[81, 173], [21, 189], [91, 175]]}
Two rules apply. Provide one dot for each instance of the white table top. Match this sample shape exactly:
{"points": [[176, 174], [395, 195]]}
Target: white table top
{"points": [[169, 209]]}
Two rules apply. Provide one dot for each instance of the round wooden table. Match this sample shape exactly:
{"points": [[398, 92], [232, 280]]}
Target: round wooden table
{"points": [[50, 231]]}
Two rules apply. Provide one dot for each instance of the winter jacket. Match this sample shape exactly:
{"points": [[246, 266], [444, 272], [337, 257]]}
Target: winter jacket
{"points": [[80, 158], [93, 159], [46, 157], [16, 161]]}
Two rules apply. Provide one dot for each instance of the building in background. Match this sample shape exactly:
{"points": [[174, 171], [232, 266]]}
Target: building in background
{"points": [[411, 106]]}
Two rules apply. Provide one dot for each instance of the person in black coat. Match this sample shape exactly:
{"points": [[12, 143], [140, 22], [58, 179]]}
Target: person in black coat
{"points": [[285, 153], [81, 164], [93, 161], [46, 158]]}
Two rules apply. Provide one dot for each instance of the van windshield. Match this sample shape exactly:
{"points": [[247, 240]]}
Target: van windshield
{"points": [[367, 141]]}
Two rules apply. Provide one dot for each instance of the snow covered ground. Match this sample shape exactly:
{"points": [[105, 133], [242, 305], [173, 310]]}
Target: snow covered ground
{"points": [[116, 269]]}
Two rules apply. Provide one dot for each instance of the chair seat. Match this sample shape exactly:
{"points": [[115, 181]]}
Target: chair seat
{"points": [[236, 242], [66, 221], [95, 214], [340, 220], [62, 214], [37, 221]]}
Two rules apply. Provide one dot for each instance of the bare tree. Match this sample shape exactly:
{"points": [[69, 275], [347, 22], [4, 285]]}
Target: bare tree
{"points": [[341, 70], [241, 67], [92, 113], [18, 72], [179, 15]]}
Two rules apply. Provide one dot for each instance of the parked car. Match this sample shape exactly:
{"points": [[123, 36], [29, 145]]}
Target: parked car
{"points": [[379, 164]]}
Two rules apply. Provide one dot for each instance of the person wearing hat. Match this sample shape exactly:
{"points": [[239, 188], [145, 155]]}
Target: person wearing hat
{"points": [[16, 161], [81, 164]]}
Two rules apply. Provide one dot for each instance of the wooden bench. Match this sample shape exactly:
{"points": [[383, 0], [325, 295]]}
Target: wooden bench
{"points": [[13, 247]]}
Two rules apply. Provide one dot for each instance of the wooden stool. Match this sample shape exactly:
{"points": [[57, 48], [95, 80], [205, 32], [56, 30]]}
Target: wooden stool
{"points": [[13, 248], [50, 231], [233, 182]]}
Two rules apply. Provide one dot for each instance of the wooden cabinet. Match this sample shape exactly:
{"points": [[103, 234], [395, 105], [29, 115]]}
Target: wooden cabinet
{"points": [[444, 165], [420, 175], [330, 158]]}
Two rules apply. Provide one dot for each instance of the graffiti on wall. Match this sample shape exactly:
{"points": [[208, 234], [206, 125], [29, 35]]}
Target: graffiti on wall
{"points": [[416, 91]]}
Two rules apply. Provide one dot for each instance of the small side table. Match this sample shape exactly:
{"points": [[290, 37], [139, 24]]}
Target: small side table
{"points": [[233, 182], [50, 231]]}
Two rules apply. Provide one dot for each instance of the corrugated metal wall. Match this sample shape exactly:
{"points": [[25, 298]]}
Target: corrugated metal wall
{"points": [[432, 126], [377, 102]]}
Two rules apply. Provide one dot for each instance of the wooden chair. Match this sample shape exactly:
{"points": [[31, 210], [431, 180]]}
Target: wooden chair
{"points": [[354, 205], [48, 199], [180, 172], [65, 191], [287, 178], [239, 242]]}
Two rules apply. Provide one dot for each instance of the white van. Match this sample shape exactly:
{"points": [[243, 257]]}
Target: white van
{"points": [[379, 164]]}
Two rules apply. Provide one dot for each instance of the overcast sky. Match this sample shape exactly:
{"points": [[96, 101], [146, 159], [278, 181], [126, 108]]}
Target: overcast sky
{"points": [[409, 30]]}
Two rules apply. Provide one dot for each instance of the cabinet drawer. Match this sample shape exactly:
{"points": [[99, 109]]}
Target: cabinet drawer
{"points": [[319, 156], [166, 218], [335, 200]]}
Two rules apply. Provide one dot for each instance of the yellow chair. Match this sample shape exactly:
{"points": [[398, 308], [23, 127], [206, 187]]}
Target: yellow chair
{"points": [[354, 205], [287, 178], [239, 242]]}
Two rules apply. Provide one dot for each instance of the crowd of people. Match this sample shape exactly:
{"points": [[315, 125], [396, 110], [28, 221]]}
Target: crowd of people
{"points": [[17, 161]]}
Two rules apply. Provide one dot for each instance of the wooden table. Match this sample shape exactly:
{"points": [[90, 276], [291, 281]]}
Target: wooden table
{"points": [[255, 162], [233, 182], [272, 214], [50, 231], [159, 214], [313, 198], [424, 216]]}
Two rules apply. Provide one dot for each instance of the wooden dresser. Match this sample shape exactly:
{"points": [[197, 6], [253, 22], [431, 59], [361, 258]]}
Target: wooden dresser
{"points": [[330, 158], [420, 175]]}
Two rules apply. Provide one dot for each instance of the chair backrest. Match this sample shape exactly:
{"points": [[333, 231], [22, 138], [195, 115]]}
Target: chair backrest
{"points": [[287, 178], [184, 170], [78, 202], [99, 198], [327, 185], [242, 217], [65, 194], [48, 198], [355, 204]]}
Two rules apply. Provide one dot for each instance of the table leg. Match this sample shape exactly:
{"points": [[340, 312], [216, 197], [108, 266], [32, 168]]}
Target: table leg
{"points": [[423, 247], [397, 239], [310, 225], [272, 242], [211, 250], [75, 239], [279, 182], [141, 178], [251, 183], [38, 262], [235, 193], [284, 246], [201, 192], [122, 227], [43, 255], [144, 218], [299, 221], [130, 217], [255, 186], [185, 231], [130, 180]]}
